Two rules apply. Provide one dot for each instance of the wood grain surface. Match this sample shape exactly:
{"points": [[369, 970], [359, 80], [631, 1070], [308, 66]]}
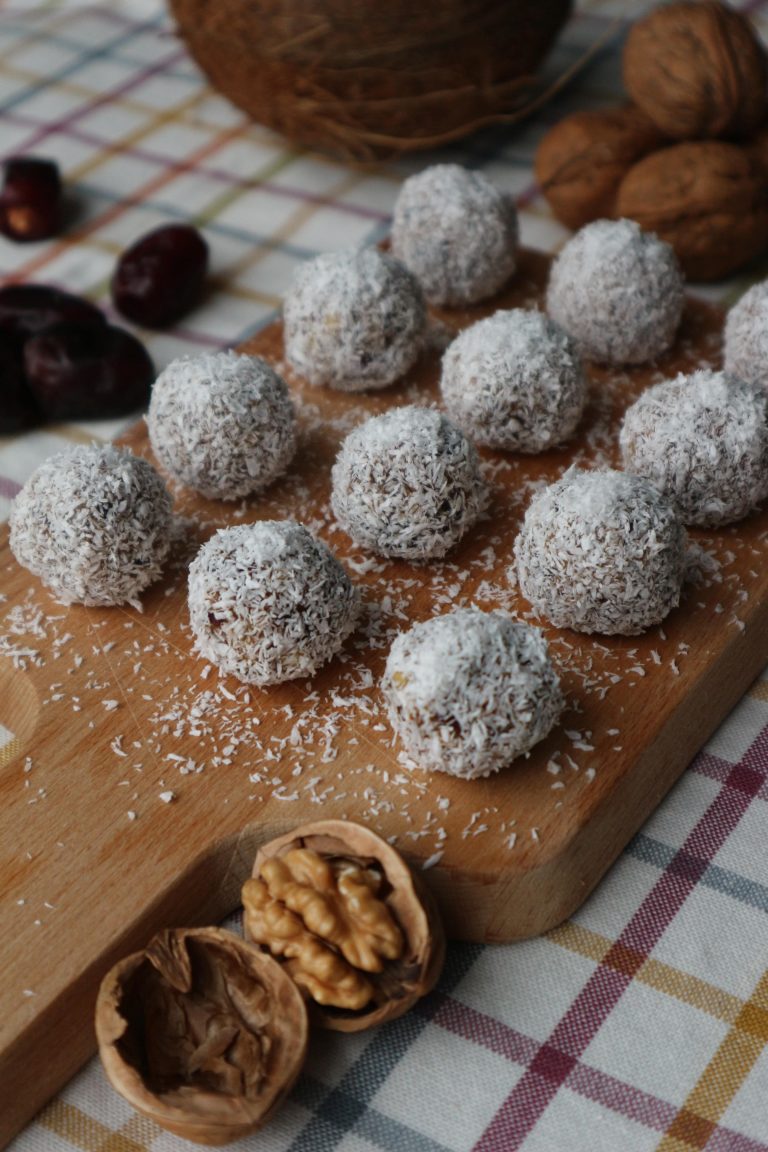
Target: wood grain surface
{"points": [[139, 784]]}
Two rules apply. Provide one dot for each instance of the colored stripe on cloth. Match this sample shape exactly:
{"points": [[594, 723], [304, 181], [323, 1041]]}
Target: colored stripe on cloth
{"points": [[554, 1061]]}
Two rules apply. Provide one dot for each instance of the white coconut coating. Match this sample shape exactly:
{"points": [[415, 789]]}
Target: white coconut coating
{"points": [[354, 320], [601, 551], [703, 440], [407, 484], [456, 232], [268, 602], [618, 292], [222, 423], [746, 337], [94, 524], [514, 381], [469, 691]]}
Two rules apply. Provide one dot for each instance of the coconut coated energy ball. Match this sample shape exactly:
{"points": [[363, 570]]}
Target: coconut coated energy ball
{"points": [[354, 320], [222, 423], [703, 441], [456, 232], [618, 292], [94, 524], [268, 602], [746, 337], [407, 484], [601, 552], [470, 691], [514, 381]]}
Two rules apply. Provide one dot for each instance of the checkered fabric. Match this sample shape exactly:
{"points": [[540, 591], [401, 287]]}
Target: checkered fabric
{"points": [[642, 1022]]}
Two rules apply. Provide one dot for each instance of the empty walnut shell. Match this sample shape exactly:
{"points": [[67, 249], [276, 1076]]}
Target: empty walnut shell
{"points": [[202, 1033], [708, 199], [583, 159], [697, 69], [349, 920]]}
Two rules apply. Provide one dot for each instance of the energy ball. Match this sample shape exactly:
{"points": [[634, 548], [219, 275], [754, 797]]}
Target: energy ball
{"points": [[221, 423], [469, 691], [94, 524], [618, 292], [514, 381], [407, 484], [703, 441], [457, 233], [601, 552], [268, 602], [354, 320], [746, 337]]}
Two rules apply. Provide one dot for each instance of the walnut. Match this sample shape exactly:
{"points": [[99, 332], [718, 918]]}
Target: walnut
{"points": [[202, 1033], [582, 160], [697, 69], [707, 199], [349, 921]]}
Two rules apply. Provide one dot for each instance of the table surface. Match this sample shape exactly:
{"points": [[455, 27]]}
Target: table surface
{"points": [[642, 1022]]}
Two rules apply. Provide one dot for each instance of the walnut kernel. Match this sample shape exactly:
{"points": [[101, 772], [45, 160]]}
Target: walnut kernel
{"points": [[697, 69], [707, 199], [352, 925], [202, 1033], [582, 160]]}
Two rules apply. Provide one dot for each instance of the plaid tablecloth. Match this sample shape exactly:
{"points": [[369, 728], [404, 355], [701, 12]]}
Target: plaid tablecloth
{"points": [[641, 1023]]}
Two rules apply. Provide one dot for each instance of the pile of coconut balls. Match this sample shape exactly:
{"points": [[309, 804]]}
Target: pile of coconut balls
{"points": [[599, 551]]}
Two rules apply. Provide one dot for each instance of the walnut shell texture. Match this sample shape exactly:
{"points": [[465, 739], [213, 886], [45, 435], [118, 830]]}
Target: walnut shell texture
{"points": [[583, 159], [697, 69], [202, 1033], [707, 199], [353, 925]]}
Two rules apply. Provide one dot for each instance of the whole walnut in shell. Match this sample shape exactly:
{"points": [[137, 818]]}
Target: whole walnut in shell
{"points": [[708, 199], [583, 159], [202, 1033], [351, 924], [697, 69]]}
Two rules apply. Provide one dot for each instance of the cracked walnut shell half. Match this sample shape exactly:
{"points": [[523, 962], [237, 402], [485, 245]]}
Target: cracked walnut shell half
{"points": [[352, 924], [202, 1033]]}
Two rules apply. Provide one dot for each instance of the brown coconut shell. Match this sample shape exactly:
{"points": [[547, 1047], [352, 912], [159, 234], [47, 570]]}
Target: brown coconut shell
{"points": [[368, 80]]}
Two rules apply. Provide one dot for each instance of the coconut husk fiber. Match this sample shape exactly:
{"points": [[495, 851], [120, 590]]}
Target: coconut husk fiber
{"points": [[365, 78]]}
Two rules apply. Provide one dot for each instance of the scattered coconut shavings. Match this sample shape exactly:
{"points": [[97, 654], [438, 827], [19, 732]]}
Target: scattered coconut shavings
{"points": [[354, 320], [167, 797], [702, 439], [222, 423], [407, 484], [456, 232], [617, 291], [93, 524]]}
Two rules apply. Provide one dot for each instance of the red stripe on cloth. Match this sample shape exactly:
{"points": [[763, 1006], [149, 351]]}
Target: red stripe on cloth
{"points": [[608, 1091], [552, 1066]]}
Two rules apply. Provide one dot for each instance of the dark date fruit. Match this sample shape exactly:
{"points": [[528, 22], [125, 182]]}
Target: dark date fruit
{"points": [[30, 199], [160, 277], [26, 309], [17, 405], [85, 372]]}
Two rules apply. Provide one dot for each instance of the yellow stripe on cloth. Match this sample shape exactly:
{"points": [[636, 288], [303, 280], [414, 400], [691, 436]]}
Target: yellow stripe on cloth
{"points": [[722, 1078], [662, 977], [81, 1130]]}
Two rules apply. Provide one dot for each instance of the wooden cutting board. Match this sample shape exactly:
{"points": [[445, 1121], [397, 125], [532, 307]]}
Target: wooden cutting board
{"points": [[139, 784]]}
